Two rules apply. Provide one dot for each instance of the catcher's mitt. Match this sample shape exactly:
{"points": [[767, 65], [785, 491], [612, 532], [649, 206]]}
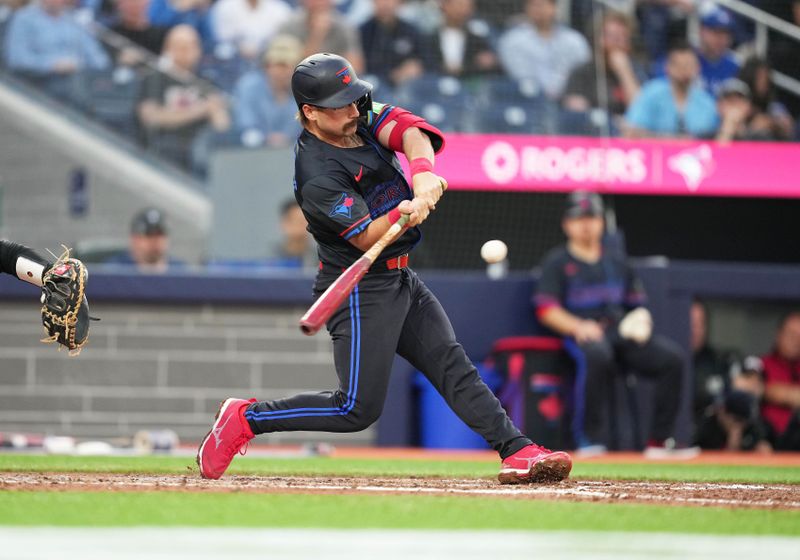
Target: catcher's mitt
{"points": [[65, 311]]}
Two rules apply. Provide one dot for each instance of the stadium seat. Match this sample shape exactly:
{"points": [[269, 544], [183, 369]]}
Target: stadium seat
{"points": [[508, 90], [113, 95], [589, 123], [516, 118], [382, 90], [442, 101], [99, 250], [224, 69], [507, 119], [509, 106]]}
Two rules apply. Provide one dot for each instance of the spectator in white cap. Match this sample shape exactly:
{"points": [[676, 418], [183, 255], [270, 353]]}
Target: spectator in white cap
{"points": [[264, 109]]}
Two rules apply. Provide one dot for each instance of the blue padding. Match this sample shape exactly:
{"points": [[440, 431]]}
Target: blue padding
{"points": [[278, 287]]}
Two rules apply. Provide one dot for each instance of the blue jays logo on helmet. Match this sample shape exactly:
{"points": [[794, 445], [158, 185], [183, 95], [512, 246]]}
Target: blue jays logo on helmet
{"points": [[344, 74]]}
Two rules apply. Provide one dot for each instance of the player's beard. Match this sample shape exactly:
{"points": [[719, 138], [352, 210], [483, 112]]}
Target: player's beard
{"points": [[350, 128], [349, 134]]}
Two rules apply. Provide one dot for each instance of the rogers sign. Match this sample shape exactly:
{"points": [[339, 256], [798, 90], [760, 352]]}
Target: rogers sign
{"points": [[507, 162], [503, 163]]}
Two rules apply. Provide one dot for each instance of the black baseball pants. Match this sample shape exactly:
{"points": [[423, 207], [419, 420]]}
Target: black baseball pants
{"points": [[388, 313], [598, 362]]}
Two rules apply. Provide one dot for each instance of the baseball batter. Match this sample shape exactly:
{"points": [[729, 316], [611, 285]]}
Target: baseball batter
{"points": [[351, 188]]}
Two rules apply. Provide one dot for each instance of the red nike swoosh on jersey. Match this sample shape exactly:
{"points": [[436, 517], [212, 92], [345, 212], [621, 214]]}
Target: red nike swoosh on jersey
{"points": [[360, 173]]}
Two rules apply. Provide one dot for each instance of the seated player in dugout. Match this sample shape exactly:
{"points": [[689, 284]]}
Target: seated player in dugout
{"points": [[351, 188], [595, 299]]}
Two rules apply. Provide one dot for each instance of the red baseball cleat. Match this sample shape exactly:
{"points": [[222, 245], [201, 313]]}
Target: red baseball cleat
{"points": [[229, 434], [535, 464]]}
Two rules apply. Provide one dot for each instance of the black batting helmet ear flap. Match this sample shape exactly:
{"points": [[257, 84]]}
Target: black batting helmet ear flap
{"points": [[364, 104]]}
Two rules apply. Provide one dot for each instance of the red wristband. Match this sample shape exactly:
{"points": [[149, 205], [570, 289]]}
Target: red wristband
{"points": [[420, 165], [393, 215]]}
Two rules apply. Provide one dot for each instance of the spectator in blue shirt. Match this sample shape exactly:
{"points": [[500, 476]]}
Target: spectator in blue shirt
{"points": [[169, 13], [44, 41], [717, 61], [264, 109], [675, 105]]}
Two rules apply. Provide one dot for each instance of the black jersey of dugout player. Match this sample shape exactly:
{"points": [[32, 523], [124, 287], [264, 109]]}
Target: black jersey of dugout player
{"points": [[341, 190], [602, 291]]}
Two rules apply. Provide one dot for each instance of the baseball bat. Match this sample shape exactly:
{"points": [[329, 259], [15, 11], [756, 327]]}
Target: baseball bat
{"points": [[319, 313]]}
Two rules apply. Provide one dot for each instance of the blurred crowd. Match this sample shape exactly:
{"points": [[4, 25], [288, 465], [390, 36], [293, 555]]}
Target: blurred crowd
{"points": [[747, 403], [184, 76]]}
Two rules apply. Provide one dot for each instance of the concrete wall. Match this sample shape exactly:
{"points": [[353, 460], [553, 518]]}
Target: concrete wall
{"points": [[746, 326], [247, 189], [156, 367], [35, 170]]}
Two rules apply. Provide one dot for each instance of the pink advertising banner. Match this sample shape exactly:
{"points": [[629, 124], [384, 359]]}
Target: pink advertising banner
{"points": [[655, 167]]}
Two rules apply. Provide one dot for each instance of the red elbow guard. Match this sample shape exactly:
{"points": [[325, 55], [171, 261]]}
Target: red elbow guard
{"points": [[403, 121]]}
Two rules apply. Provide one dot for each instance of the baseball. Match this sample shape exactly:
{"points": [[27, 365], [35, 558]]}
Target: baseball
{"points": [[494, 251]]}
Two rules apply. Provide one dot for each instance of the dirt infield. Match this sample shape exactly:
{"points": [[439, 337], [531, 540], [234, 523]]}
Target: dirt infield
{"points": [[705, 458], [786, 497]]}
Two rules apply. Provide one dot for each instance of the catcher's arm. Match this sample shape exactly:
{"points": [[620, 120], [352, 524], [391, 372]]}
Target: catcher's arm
{"points": [[22, 262]]}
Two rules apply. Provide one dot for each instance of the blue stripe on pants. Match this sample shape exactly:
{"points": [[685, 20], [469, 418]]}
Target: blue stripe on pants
{"points": [[579, 358], [355, 360]]}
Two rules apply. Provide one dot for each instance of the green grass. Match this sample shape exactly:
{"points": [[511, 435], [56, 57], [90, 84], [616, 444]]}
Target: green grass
{"points": [[410, 467], [169, 509], [242, 509]]}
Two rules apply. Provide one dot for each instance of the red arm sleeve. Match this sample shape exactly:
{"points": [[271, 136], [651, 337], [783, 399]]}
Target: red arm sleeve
{"points": [[403, 121]]}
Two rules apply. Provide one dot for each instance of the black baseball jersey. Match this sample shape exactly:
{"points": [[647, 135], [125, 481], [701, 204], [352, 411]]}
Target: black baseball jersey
{"points": [[603, 291], [341, 190]]}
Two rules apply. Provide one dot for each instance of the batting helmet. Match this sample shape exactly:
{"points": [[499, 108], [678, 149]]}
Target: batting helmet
{"points": [[328, 80], [583, 203]]}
